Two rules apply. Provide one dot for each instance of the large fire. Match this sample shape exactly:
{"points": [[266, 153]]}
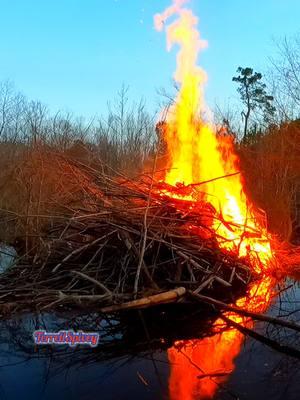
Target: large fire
{"points": [[196, 154]]}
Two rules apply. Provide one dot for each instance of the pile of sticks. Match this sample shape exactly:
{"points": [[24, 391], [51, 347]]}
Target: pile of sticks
{"points": [[123, 243]]}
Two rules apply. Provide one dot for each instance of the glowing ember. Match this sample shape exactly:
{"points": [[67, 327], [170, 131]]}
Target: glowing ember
{"points": [[196, 154]]}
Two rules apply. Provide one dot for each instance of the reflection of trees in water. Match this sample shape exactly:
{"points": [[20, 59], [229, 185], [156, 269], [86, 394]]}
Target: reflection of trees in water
{"points": [[146, 335], [130, 337], [134, 333]]}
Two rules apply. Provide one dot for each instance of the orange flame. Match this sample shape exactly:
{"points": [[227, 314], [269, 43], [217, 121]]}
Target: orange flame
{"points": [[200, 367], [196, 154]]}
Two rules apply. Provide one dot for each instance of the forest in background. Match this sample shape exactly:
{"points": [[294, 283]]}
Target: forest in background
{"points": [[265, 127]]}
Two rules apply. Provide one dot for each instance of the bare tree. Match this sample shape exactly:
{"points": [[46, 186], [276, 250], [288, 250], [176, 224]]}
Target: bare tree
{"points": [[12, 106], [126, 137], [36, 115], [285, 78]]}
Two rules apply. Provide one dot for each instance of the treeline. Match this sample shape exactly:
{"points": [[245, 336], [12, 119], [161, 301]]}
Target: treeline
{"points": [[35, 185], [121, 140], [265, 99], [264, 124]]}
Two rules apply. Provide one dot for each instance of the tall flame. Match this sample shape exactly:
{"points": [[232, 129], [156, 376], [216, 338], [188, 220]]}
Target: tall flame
{"points": [[197, 155]]}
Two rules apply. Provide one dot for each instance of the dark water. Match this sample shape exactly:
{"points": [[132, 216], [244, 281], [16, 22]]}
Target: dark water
{"points": [[131, 361]]}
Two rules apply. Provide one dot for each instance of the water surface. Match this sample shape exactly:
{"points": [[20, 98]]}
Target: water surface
{"points": [[148, 355]]}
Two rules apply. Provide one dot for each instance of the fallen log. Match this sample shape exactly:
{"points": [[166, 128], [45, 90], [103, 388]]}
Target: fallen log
{"points": [[162, 298]]}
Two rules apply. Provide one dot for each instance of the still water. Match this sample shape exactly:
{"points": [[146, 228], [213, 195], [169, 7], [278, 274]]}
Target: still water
{"points": [[161, 354]]}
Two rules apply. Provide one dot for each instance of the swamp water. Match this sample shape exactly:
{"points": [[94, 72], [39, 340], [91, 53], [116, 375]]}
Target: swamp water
{"points": [[150, 355]]}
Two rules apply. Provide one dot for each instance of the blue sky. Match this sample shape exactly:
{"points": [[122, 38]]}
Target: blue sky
{"points": [[75, 54]]}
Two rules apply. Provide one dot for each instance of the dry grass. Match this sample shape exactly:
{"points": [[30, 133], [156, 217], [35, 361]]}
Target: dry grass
{"points": [[36, 183], [32, 185]]}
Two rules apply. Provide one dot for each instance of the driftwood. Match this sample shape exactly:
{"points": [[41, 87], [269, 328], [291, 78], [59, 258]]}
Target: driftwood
{"points": [[162, 298]]}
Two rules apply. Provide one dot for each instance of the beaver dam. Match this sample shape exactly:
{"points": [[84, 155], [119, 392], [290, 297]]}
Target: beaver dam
{"points": [[117, 243], [125, 240], [185, 232]]}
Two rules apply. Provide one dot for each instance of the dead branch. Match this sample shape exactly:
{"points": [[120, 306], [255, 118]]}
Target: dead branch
{"points": [[259, 317], [150, 301]]}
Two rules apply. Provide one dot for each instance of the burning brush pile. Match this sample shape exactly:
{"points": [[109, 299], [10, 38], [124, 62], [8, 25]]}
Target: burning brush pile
{"points": [[124, 240], [120, 243]]}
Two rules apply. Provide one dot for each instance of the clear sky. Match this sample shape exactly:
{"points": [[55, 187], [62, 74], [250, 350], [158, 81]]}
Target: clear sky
{"points": [[75, 54]]}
